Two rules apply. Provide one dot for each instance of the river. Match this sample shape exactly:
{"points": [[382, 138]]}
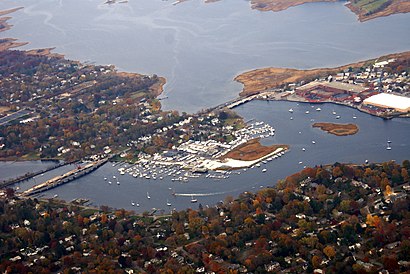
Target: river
{"points": [[199, 47]]}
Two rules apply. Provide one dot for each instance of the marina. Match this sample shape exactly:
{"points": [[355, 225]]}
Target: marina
{"points": [[213, 186]]}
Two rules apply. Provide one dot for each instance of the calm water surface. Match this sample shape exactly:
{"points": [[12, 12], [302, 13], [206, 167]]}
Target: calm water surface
{"points": [[200, 47]]}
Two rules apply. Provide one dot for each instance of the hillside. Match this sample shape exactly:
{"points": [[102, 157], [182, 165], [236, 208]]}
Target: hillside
{"points": [[339, 218]]}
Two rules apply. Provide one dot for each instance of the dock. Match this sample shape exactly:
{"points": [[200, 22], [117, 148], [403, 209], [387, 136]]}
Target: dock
{"points": [[65, 178]]}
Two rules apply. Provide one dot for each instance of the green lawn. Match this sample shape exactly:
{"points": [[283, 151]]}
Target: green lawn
{"points": [[370, 6]]}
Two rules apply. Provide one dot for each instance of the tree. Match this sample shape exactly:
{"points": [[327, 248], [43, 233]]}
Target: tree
{"points": [[373, 220], [388, 191], [329, 251], [316, 261]]}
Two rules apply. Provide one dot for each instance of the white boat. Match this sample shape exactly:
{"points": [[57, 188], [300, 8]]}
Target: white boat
{"points": [[264, 170], [55, 195], [148, 197], [109, 183], [388, 146], [303, 149], [105, 178], [307, 111], [168, 203], [389, 142], [290, 110], [318, 109], [132, 203], [300, 162], [313, 142], [291, 118], [354, 117], [337, 117], [118, 183], [193, 200], [334, 112]]}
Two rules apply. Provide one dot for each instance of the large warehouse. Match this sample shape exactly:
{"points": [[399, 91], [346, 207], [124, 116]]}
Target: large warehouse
{"points": [[387, 100]]}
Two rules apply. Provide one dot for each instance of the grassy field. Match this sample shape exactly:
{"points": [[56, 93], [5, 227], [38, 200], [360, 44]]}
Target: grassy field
{"points": [[370, 6]]}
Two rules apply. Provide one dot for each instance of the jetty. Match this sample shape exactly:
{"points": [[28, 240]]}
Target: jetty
{"points": [[65, 178]]}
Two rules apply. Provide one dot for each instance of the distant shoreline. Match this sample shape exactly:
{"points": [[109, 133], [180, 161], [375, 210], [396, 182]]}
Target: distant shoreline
{"points": [[262, 79], [388, 8]]}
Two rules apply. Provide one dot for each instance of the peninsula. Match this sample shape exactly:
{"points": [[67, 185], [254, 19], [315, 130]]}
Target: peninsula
{"points": [[352, 85]]}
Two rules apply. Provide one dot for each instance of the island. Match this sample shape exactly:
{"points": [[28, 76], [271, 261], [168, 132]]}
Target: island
{"points": [[338, 129]]}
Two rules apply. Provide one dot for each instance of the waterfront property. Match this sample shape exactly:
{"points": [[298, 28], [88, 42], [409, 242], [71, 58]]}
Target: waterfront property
{"points": [[389, 101]]}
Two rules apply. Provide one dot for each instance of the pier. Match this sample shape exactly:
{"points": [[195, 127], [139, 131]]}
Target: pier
{"points": [[65, 178]]}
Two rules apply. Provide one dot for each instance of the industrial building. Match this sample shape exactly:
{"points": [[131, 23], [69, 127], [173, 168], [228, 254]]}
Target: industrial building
{"points": [[391, 101]]}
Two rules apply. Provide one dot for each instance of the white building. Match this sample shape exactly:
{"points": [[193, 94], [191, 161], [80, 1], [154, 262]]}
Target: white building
{"points": [[387, 100]]}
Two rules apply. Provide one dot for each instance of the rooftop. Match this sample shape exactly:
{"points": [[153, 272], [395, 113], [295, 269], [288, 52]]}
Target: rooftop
{"points": [[388, 100], [336, 85]]}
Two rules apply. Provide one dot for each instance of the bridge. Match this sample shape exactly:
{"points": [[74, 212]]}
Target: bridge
{"points": [[235, 102], [65, 178]]}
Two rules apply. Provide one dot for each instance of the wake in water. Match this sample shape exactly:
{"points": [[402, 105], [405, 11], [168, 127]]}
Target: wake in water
{"points": [[200, 194]]}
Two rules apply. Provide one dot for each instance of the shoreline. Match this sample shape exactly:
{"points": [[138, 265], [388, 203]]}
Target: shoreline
{"points": [[8, 43], [395, 7], [270, 83], [362, 15], [258, 80]]}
